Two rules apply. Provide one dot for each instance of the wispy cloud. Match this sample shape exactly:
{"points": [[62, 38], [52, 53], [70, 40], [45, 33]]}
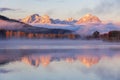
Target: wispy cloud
{"points": [[6, 9], [104, 7]]}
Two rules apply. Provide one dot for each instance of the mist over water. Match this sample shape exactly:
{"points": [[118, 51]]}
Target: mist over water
{"points": [[56, 44], [59, 59], [59, 40]]}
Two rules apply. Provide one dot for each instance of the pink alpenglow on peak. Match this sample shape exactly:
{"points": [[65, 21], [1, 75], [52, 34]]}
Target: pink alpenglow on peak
{"points": [[70, 19], [35, 18], [31, 18], [45, 19], [89, 18]]}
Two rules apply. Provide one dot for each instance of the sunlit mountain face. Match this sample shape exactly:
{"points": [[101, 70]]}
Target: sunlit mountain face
{"points": [[31, 19], [36, 18], [89, 18], [70, 19], [45, 19]]}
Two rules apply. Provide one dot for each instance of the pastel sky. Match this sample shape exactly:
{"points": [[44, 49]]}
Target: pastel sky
{"points": [[106, 10]]}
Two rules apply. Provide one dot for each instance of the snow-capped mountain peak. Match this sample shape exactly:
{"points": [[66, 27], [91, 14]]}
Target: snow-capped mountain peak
{"points": [[89, 18], [45, 19], [35, 18], [70, 19], [31, 18]]}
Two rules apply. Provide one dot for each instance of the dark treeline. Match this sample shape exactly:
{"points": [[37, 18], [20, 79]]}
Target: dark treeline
{"points": [[8, 34], [110, 36], [2, 34], [56, 34]]}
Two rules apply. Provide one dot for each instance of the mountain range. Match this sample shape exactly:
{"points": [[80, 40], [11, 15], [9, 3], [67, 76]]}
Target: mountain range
{"points": [[15, 25], [84, 26], [45, 19]]}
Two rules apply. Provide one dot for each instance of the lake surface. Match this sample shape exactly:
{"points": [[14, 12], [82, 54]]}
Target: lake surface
{"points": [[59, 60]]}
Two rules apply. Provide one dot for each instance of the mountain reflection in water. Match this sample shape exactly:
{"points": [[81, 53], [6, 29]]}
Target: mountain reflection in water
{"points": [[37, 57], [95, 63]]}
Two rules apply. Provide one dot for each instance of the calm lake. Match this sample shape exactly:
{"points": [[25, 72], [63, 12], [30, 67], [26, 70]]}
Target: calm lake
{"points": [[59, 60]]}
